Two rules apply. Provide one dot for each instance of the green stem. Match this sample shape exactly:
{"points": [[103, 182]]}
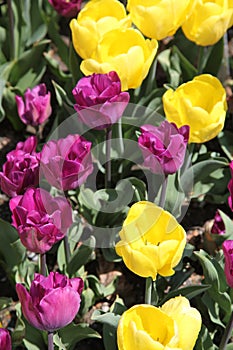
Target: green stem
{"points": [[108, 157], [67, 249], [163, 192], [11, 24], [200, 59], [227, 334], [43, 267], [50, 341], [148, 290]]}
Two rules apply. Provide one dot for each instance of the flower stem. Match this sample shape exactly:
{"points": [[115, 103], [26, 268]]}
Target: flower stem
{"points": [[227, 334], [67, 249], [11, 24], [148, 290], [43, 266], [108, 157], [50, 341], [163, 192]]}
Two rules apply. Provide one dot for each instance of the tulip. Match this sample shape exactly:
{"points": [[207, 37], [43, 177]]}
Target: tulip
{"points": [[99, 100], [95, 19], [131, 57], [201, 104], [230, 187], [35, 108], [52, 301], [66, 8], [5, 339], [218, 225], [163, 147], [208, 22], [66, 163], [40, 219], [153, 236], [227, 247], [175, 325], [21, 170], [159, 19]]}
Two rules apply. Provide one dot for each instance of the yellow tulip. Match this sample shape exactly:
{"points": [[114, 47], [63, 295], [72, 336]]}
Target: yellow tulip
{"points": [[201, 104], [175, 325], [96, 18], [209, 21], [158, 19], [152, 241], [124, 51]]}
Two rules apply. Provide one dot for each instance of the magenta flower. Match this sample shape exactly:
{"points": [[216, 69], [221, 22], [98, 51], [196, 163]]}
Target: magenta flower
{"points": [[66, 163], [5, 339], [66, 8], [218, 225], [52, 301], [21, 170], [99, 100], [40, 219], [163, 147], [227, 247], [230, 187], [35, 108]]}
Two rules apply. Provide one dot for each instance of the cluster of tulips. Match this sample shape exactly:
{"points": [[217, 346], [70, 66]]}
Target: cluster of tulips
{"points": [[117, 57]]}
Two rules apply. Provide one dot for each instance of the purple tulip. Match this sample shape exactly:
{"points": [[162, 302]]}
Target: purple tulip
{"points": [[21, 170], [35, 108], [52, 301], [5, 339], [218, 225], [40, 219], [163, 147], [66, 8], [66, 163], [99, 100], [227, 247], [230, 187]]}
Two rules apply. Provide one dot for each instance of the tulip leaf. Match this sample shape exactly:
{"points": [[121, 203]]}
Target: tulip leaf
{"points": [[212, 277], [213, 58], [29, 67], [225, 139], [72, 334], [204, 341], [228, 223], [81, 256], [4, 74], [188, 292], [11, 249], [188, 70]]}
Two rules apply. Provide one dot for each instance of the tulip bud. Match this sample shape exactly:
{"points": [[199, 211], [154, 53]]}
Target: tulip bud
{"points": [[66, 163], [227, 247], [66, 8], [163, 147], [5, 339], [35, 108], [21, 170], [40, 219], [52, 302], [99, 100]]}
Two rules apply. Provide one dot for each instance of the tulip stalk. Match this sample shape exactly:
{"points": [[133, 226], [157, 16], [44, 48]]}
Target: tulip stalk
{"points": [[50, 341], [148, 290], [108, 140], [227, 334], [11, 23], [43, 267], [163, 192]]}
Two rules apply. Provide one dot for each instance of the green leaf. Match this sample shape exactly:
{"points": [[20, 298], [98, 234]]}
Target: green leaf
{"points": [[4, 74], [29, 67], [11, 252], [72, 334], [225, 139], [204, 341], [188, 70], [188, 292], [214, 58], [107, 318], [81, 256]]}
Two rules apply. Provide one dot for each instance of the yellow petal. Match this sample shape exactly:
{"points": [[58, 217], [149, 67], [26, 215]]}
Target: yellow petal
{"points": [[147, 323], [187, 319]]}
